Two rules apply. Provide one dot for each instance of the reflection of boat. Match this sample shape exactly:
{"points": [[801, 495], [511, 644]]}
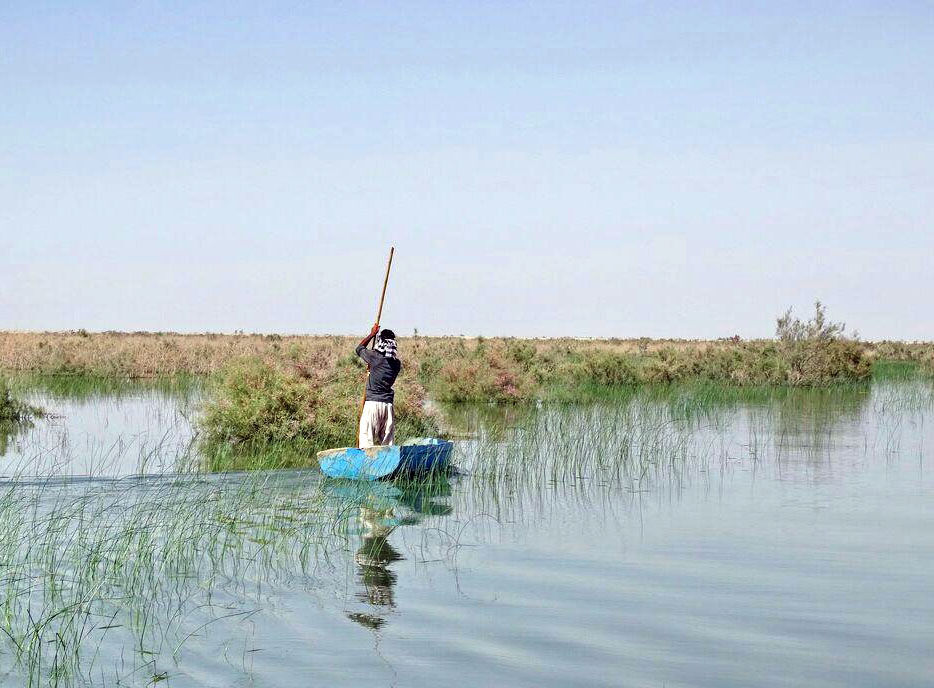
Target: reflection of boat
{"points": [[372, 511], [400, 503], [416, 457]]}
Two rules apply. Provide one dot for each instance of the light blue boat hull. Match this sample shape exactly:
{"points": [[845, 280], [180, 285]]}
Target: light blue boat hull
{"points": [[414, 458]]}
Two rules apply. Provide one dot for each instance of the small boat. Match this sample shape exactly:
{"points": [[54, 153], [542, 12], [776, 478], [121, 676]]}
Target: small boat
{"points": [[415, 457]]}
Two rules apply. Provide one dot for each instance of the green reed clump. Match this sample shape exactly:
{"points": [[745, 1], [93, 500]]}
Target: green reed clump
{"points": [[138, 565], [89, 387], [260, 408], [103, 582], [884, 370], [662, 435]]}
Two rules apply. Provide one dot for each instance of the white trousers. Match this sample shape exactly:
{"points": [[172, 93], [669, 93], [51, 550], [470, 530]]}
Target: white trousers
{"points": [[376, 424]]}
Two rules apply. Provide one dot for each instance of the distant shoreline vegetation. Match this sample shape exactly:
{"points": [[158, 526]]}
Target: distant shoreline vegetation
{"points": [[804, 353], [273, 389]]}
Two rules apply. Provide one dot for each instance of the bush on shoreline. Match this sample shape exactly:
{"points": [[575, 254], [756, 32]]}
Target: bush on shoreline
{"points": [[809, 353]]}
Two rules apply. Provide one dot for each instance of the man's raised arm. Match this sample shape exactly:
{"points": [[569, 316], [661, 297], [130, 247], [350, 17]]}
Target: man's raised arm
{"points": [[361, 347]]}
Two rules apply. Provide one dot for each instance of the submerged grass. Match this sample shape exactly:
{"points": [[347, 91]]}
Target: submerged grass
{"points": [[92, 387]]}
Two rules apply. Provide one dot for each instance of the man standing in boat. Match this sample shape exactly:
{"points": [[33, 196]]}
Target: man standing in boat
{"points": [[376, 421]]}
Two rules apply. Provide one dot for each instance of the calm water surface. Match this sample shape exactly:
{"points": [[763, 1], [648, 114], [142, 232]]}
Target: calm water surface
{"points": [[660, 540]]}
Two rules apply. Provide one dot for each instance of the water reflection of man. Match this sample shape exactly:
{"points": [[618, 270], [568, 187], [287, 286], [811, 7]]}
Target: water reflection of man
{"points": [[373, 558]]}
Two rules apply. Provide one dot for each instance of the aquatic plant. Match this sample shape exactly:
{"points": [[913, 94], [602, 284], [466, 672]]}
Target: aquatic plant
{"points": [[14, 410], [103, 582], [135, 561]]}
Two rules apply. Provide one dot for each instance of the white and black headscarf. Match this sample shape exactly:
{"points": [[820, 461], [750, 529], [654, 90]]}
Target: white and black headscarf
{"points": [[386, 345]]}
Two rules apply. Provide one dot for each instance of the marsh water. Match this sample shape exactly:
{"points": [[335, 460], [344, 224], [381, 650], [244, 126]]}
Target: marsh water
{"points": [[678, 537]]}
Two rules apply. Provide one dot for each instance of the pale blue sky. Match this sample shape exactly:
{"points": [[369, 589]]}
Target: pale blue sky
{"points": [[595, 169]]}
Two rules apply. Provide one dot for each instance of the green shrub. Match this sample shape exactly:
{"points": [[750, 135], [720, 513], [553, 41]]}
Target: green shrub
{"points": [[255, 401], [814, 363], [257, 404], [522, 353], [818, 351], [896, 351], [14, 410], [608, 369], [477, 379]]}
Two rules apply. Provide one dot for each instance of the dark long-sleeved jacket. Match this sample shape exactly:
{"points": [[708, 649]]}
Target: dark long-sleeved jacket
{"points": [[383, 374]]}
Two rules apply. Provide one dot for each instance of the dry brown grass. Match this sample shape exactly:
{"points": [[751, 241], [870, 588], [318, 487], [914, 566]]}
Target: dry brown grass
{"points": [[143, 354], [140, 355]]}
